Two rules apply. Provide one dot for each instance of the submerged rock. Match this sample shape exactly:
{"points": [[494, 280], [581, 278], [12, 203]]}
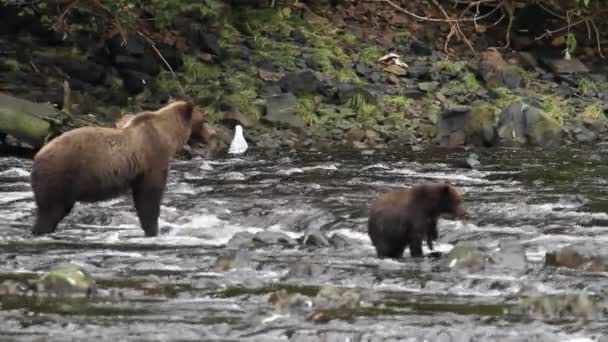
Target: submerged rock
{"points": [[240, 258], [567, 306], [66, 280], [465, 256], [584, 256]]}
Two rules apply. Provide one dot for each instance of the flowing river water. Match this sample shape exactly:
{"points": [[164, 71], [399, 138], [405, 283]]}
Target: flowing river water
{"points": [[205, 278]]}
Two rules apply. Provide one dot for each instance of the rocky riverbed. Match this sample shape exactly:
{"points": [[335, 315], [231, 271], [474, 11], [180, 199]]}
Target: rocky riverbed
{"points": [[273, 247]]}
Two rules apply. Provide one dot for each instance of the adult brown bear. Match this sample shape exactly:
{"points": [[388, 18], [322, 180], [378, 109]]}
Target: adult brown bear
{"points": [[403, 218], [201, 130], [92, 164]]}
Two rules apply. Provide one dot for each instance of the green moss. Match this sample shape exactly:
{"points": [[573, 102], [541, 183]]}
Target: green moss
{"points": [[346, 75], [371, 54], [228, 36], [505, 97], [280, 53], [306, 110], [167, 10], [365, 112], [397, 103], [195, 70], [450, 66], [11, 64], [245, 102], [470, 82], [594, 112], [554, 108]]}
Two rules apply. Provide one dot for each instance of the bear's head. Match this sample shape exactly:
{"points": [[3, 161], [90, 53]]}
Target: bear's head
{"points": [[450, 201]]}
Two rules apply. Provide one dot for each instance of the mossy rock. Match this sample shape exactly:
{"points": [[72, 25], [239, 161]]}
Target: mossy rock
{"points": [[65, 280], [480, 123], [542, 129]]}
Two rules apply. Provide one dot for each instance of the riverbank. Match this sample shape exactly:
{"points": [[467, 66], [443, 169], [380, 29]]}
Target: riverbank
{"points": [[298, 77]]}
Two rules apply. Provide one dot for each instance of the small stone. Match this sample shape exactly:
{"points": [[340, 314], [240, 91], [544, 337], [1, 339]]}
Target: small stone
{"points": [[563, 66], [361, 69], [429, 87]]}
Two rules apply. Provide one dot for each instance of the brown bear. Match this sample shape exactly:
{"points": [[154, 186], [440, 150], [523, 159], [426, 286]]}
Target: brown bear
{"points": [[201, 130], [92, 164], [405, 218]]}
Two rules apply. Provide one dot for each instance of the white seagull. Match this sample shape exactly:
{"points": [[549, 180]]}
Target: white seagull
{"points": [[238, 144]]}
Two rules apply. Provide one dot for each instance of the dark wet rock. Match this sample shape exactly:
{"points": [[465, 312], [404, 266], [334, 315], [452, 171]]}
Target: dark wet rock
{"points": [[339, 240], [428, 87], [583, 134], [239, 258], [420, 48], [133, 44], [312, 63], [586, 256], [83, 69], [564, 66], [563, 306], [361, 69], [450, 129], [522, 123], [281, 110], [66, 280], [371, 93], [266, 64], [511, 77], [465, 256], [418, 70], [240, 240], [301, 83], [314, 238], [297, 36], [273, 238], [134, 82]]}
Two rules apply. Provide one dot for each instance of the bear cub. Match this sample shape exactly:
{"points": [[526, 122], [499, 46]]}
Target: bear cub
{"points": [[91, 164], [404, 218]]}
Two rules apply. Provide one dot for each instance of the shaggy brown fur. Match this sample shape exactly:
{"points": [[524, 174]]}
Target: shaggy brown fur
{"points": [[201, 130], [91, 164], [405, 218]]}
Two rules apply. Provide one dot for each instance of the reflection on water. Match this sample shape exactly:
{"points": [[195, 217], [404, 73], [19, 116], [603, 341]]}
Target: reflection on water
{"points": [[170, 288]]}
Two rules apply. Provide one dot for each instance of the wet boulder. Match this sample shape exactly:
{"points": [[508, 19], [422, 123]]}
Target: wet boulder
{"points": [[240, 258], [522, 123], [66, 280], [465, 256], [370, 93], [281, 111], [342, 241], [584, 256], [301, 83], [314, 238], [273, 238]]}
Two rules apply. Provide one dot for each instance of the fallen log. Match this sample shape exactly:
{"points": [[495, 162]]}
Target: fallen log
{"points": [[25, 120]]}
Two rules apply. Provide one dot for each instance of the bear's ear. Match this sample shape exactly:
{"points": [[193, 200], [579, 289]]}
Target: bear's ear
{"points": [[186, 110], [446, 189]]}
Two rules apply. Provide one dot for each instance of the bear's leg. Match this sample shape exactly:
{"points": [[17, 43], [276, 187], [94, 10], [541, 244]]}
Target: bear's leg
{"points": [[147, 195], [416, 248], [48, 217]]}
